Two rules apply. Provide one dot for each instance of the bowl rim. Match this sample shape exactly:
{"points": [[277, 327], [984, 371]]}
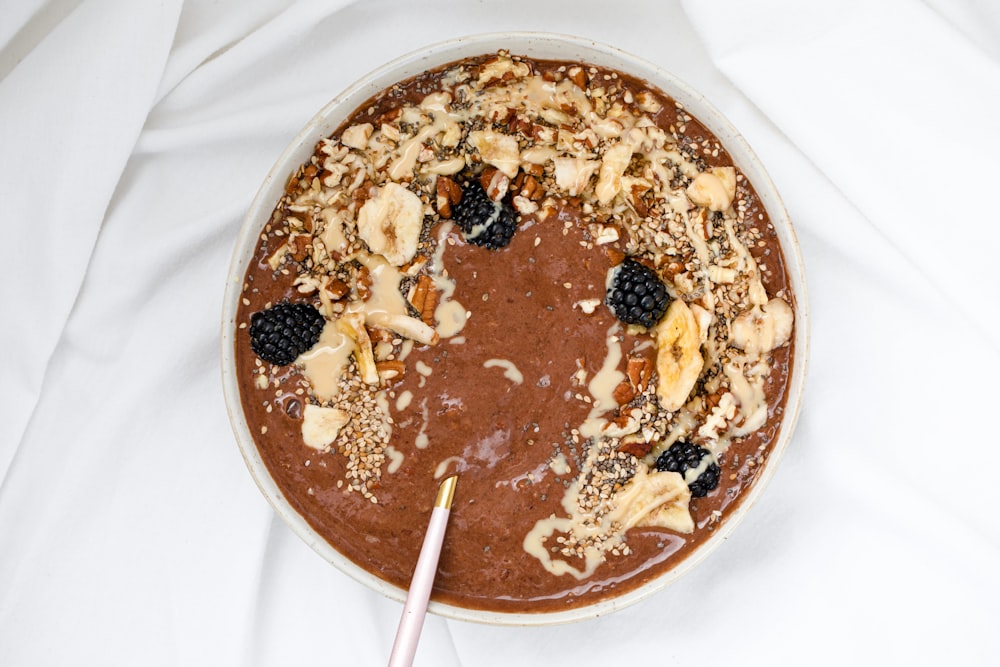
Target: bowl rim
{"points": [[535, 45]]}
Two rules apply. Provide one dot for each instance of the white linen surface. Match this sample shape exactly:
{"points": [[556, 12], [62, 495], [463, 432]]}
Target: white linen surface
{"points": [[133, 136]]}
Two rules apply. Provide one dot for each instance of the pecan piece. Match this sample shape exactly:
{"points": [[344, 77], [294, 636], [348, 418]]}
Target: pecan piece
{"points": [[494, 182], [363, 193], [624, 392], [638, 203], [713, 399], [615, 255], [380, 335], [578, 75], [301, 247], [530, 188], [337, 289], [390, 116], [635, 446], [518, 123], [639, 370], [449, 193], [671, 269], [364, 283], [425, 299], [392, 369], [532, 169]]}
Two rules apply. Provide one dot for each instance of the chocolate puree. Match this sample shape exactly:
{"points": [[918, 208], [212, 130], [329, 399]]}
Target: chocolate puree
{"points": [[499, 435]]}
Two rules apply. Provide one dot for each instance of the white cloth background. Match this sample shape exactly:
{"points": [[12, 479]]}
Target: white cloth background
{"points": [[133, 136]]}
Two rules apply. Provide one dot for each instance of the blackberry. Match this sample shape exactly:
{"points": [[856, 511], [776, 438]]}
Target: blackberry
{"points": [[483, 221], [282, 332], [637, 295], [683, 456]]}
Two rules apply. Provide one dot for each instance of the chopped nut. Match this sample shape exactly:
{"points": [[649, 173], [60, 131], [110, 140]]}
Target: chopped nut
{"points": [[712, 400], [425, 299], [390, 132], [615, 255], [647, 102], [578, 75], [532, 169], [635, 196], [702, 223], [635, 445], [363, 193], [276, 259], [671, 268], [523, 205], [502, 68], [607, 234], [364, 282], [530, 188], [337, 289], [449, 193], [301, 247], [495, 183], [392, 369], [380, 335], [624, 392], [639, 371], [517, 123]]}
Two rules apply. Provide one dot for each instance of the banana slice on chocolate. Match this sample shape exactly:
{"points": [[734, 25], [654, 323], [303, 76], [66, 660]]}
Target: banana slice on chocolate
{"points": [[572, 174], [609, 180], [714, 189], [763, 328], [678, 355], [497, 149], [352, 323], [391, 222], [321, 425], [655, 499]]}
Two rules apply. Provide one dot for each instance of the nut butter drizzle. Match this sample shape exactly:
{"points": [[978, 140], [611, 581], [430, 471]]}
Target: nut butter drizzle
{"points": [[357, 224]]}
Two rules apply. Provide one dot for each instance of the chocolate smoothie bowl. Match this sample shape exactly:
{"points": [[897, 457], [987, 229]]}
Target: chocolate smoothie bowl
{"points": [[539, 264]]}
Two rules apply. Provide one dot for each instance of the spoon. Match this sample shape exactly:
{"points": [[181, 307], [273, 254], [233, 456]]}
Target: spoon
{"points": [[415, 608]]}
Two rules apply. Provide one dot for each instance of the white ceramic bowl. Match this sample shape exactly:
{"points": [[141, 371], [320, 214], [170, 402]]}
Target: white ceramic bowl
{"points": [[543, 46]]}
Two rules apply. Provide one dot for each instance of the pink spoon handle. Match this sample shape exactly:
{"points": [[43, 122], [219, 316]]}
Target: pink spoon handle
{"points": [[415, 608]]}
